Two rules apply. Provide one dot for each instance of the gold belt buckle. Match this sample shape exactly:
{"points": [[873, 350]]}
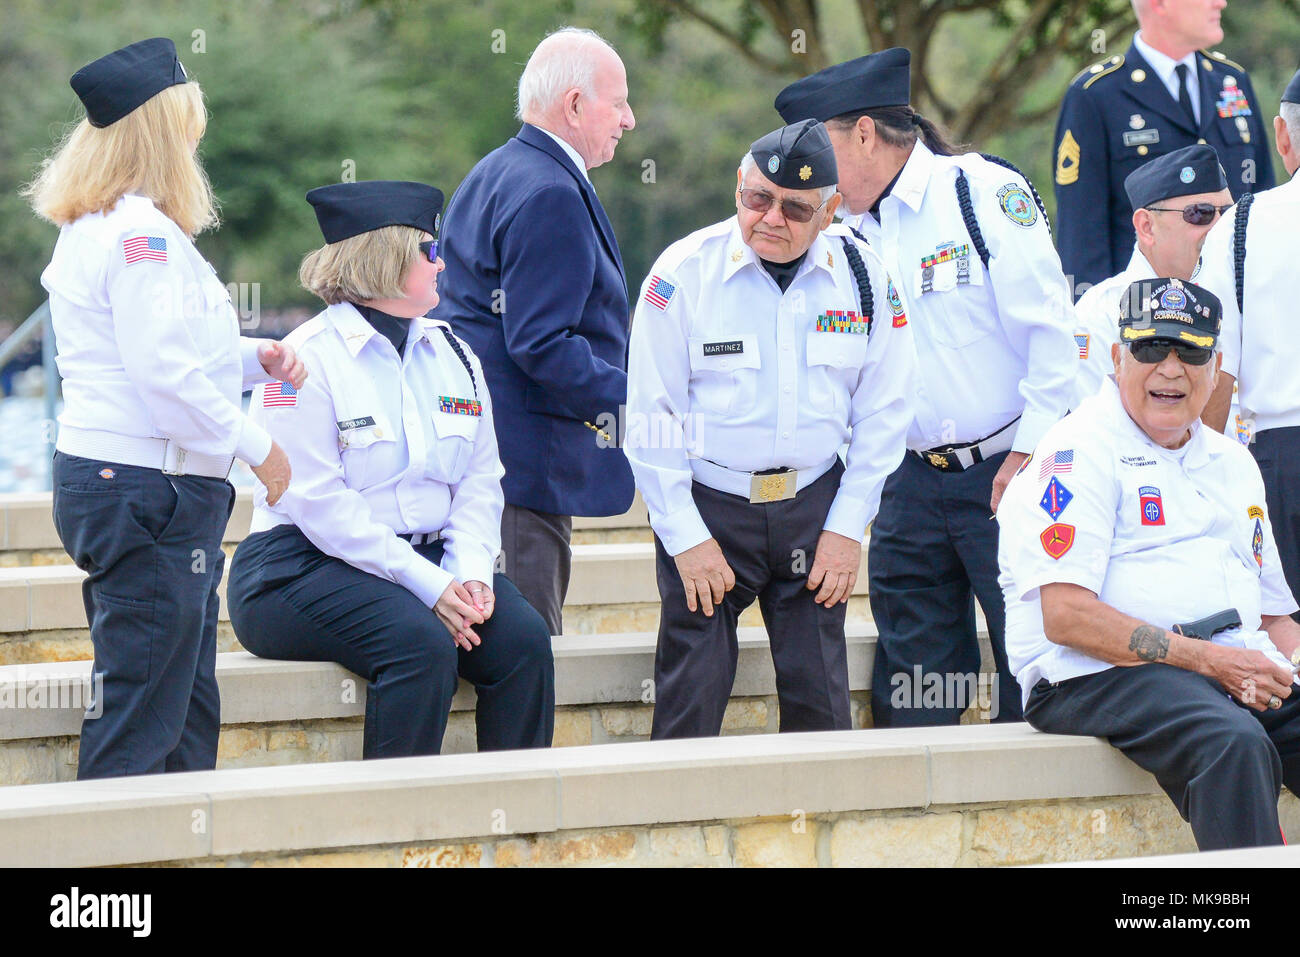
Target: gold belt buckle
{"points": [[772, 486], [937, 459]]}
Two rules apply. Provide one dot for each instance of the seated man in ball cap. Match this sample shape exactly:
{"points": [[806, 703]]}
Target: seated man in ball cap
{"points": [[1176, 198], [760, 346], [1145, 599]]}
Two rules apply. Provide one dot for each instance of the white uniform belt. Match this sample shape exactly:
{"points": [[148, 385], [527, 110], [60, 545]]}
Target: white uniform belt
{"points": [[162, 454], [961, 458], [1282, 420], [723, 479]]}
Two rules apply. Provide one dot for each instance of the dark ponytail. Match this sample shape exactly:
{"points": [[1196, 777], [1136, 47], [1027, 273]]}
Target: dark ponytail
{"points": [[900, 126]]}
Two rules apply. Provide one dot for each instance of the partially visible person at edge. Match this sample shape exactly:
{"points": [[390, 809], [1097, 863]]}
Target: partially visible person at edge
{"points": [[153, 367]]}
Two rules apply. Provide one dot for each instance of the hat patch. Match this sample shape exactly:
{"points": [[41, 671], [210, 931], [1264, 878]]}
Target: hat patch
{"points": [[805, 173], [1017, 205], [1187, 174], [1173, 298], [1153, 510], [773, 164]]}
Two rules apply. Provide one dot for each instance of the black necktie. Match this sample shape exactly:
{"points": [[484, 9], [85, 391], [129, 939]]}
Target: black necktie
{"points": [[1184, 94]]}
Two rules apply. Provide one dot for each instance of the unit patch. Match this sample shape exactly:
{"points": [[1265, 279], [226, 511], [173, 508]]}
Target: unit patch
{"points": [[1017, 205], [1055, 498], [1257, 543], [1153, 509], [1254, 512], [1060, 463], [895, 305], [1057, 539]]}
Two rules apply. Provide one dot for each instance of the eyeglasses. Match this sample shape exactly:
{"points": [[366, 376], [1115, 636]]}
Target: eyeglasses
{"points": [[1155, 350], [792, 209], [1197, 214], [429, 249]]}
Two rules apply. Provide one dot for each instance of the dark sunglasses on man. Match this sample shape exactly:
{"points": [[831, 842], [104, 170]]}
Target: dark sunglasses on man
{"points": [[1195, 214], [758, 201], [1151, 351], [429, 249]]}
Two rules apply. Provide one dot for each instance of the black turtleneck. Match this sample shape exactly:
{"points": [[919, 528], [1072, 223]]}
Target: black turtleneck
{"points": [[783, 273], [875, 207], [392, 328]]}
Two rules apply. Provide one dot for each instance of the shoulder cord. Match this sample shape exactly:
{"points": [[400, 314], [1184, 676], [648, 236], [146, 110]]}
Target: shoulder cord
{"points": [[464, 359], [1239, 246], [968, 212], [859, 270]]}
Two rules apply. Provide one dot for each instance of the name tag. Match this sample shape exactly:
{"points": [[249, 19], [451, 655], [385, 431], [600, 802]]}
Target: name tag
{"points": [[347, 425], [1141, 137], [734, 347]]}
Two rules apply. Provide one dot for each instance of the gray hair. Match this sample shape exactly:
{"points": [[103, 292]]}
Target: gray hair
{"points": [[561, 62], [747, 164], [1290, 113]]}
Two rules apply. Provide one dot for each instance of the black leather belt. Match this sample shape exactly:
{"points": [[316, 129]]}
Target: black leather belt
{"points": [[420, 538]]}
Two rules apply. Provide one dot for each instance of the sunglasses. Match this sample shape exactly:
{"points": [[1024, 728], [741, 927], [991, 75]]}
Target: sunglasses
{"points": [[1197, 214], [1155, 350], [429, 249], [792, 209]]}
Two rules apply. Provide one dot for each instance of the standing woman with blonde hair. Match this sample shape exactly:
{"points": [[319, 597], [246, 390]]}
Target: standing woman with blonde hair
{"points": [[153, 367]]}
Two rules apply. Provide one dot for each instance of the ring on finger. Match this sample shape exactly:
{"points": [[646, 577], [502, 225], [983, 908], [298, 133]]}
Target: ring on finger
{"points": [[1274, 702]]}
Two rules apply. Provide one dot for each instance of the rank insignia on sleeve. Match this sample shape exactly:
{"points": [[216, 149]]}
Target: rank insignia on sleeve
{"points": [[1057, 539], [454, 406], [1017, 205], [1055, 498], [1257, 543], [1081, 340], [659, 292], [1254, 512], [895, 305], [1067, 160], [1153, 509]]}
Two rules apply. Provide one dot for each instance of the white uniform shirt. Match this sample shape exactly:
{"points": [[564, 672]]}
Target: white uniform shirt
{"points": [[148, 341], [724, 366], [1166, 536], [381, 445], [1258, 352], [1097, 313], [997, 345]]}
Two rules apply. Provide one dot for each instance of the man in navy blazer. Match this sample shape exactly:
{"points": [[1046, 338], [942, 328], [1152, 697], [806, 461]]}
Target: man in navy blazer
{"points": [[535, 285]]}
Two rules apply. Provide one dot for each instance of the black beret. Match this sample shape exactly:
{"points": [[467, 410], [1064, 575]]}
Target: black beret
{"points": [[1292, 93], [878, 79], [116, 84], [349, 209], [1169, 309], [1192, 169], [798, 156]]}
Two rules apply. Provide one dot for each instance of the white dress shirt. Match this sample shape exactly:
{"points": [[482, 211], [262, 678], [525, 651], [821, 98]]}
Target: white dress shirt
{"points": [[725, 367], [1166, 536], [381, 445], [571, 153], [1166, 67], [148, 341], [1258, 347], [997, 345], [1097, 313]]}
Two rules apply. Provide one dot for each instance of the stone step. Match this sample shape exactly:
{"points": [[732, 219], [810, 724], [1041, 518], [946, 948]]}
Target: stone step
{"points": [[282, 712], [958, 796], [612, 589], [27, 535]]}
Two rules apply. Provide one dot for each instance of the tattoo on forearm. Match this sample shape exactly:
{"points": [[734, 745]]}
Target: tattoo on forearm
{"points": [[1149, 642]]}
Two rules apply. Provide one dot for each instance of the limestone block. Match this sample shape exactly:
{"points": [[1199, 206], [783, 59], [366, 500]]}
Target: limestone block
{"points": [[573, 848], [776, 844], [32, 647], [572, 727], [627, 722], [461, 736], [445, 855], [365, 857], [715, 840], [746, 714], [285, 740], [29, 762], [240, 743], [920, 840], [676, 846], [13, 606]]}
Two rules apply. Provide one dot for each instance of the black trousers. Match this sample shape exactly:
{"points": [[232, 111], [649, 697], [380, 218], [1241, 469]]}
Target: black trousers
{"points": [[933, 550], [288, 600], [770, 547], [1221, 763], [535, 550], [1277, 453], [151, 547]]}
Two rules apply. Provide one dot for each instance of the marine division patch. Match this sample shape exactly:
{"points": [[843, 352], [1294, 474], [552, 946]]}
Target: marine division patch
{"points": [[1057, 539]]}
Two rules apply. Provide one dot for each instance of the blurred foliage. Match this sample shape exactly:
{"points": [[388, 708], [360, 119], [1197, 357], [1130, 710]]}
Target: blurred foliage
{"points": [[300, 92]]}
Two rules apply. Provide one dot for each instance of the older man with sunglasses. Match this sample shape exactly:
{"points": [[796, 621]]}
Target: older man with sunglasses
{"points": [[1145, 599], [760, 346], [1176, 198]]}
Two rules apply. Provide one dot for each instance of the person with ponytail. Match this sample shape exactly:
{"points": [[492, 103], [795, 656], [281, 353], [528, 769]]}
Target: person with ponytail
{"points": [[965, 237], [382, 556]]}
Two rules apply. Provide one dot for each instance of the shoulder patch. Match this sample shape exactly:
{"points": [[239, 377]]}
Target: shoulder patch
{"points": [[1067, 160], [659, 292], [1104, 68], [895, 304], [1017, 205]]}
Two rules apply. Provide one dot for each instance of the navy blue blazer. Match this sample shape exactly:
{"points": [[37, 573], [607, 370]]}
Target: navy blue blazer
{"points": [[1117, 115], [534, 283]]}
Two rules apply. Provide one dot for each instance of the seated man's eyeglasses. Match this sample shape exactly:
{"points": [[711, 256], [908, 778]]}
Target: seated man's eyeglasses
{"points": [[1196, 214], [1155, 350], [794, 210]]}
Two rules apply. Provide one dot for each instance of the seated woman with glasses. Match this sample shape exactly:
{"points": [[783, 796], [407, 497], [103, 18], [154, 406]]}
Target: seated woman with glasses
{"points": [[381, 555]]}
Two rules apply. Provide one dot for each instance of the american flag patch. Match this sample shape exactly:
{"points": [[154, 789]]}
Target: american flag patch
{"points": [[279, 395], [659, 292], [1081, 340], [1060, 463], [142, 248]]}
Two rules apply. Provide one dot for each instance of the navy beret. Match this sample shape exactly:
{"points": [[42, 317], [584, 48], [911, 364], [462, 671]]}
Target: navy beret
{"points": [[1292, 94], [1169, 309], [116, 84], [1192, 169], [878, 79], [344, 210], [798, 156]]}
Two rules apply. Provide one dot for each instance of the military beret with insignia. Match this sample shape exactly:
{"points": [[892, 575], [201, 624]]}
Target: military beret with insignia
{"points": [[349, 209], [1192, 169], [798, 156]]}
